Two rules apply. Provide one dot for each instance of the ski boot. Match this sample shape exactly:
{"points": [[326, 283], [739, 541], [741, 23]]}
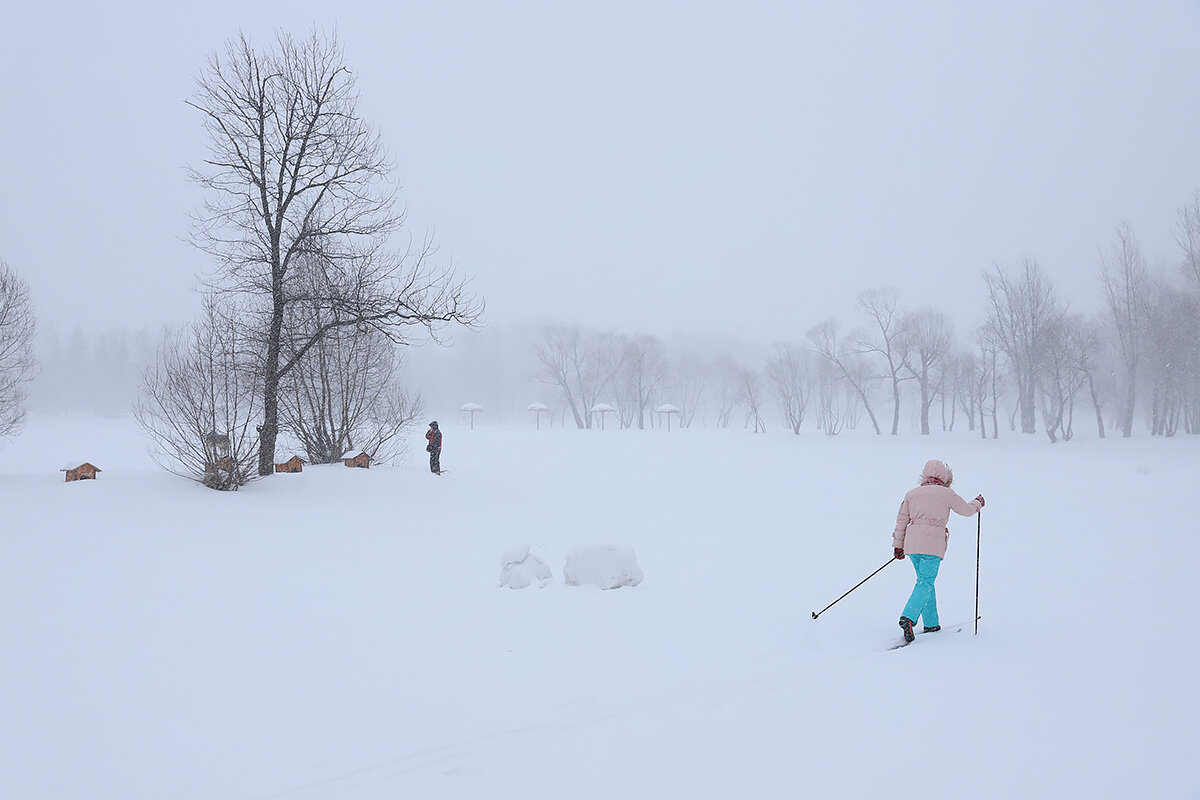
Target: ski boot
{"points": [[906, 625], [934, 629]]}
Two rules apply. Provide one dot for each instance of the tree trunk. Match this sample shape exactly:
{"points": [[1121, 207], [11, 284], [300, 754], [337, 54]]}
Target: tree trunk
{"points": [[871, 414], [1127, 412], [1096, 405], [926, 402], [1028, 407], [896, 405], [270, 426]]}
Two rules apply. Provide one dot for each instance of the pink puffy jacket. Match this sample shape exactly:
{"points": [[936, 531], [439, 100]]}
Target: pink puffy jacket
{"points": [[921, 522]]}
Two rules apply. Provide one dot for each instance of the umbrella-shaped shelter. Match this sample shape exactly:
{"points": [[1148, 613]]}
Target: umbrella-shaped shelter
{"points": [[602, 409], [471, 408], [668, 409], [538, 409]]}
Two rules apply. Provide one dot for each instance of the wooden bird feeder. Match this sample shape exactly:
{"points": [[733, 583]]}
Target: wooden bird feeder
{"points": [[357, 458], [84, 472], [293, 464]]}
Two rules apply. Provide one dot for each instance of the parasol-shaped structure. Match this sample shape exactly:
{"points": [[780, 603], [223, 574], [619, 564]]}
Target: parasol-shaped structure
{"points": [[668, 410], [471, 408], [602, 409], [538, 409]]}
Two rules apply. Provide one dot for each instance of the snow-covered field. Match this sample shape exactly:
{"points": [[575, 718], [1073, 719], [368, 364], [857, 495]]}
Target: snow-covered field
{"points": [[341, 634]]}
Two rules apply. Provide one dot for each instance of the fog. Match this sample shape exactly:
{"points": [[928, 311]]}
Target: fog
{"points": [[721, 178]]}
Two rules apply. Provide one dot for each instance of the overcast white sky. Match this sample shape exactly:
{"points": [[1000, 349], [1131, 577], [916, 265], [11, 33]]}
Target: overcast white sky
{"points": [[641, 166]]}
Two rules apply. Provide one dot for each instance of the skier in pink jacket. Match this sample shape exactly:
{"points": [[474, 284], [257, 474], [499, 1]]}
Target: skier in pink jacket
{"points": [[921, 532]]}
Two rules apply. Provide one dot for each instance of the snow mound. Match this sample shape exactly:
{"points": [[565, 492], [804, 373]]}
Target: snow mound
{"points": [[521, 568], [606, 566]]}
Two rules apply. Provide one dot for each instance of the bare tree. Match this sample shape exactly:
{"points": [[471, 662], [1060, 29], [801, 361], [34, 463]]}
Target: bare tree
{"points": [[964, 388], [642, 375], [200, 402], [1171, 344], [346, 394], [1125, 281], [831, 399], [727, 387], [1187, 236], [848, 362], [1024, 308], [690, 379], [1086, 348], [888, 341], [18, 326], [580, 363], [752, 397], [929, 339], [294, 172], [789, 371], [986, 377], [1060, 377]]}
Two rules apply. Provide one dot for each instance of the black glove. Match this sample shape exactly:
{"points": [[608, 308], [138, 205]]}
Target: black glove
{"points": [[898, 552], [428, 448]]}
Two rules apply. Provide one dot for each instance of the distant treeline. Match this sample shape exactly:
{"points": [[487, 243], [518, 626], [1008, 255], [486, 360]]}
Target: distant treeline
{"points": [[92, 371]]}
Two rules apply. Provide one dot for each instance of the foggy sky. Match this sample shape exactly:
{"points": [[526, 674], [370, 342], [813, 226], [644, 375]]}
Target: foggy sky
{"points": [[638, 166]]}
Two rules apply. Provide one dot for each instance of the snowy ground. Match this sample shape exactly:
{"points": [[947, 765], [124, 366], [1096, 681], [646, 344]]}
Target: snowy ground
{"points": [[340, 633]]}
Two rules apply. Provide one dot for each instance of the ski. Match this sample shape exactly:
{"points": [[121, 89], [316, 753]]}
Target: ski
{"points": [[952, 628]]}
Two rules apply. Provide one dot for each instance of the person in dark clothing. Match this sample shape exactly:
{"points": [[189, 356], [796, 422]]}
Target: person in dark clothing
{"points": [[434, 448]]}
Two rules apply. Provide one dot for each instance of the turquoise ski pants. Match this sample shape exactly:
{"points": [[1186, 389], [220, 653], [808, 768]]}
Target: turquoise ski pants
{"points": [[923, 600]]}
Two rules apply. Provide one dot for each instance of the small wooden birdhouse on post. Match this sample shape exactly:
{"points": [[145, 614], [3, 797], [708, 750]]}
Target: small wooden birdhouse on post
{"points": [[293, 464], [85, 471], [602, 409], [471, 408], [538, 409], [357, 458], [668, 410]]}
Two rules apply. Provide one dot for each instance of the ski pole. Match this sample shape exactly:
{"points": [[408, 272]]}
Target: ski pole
{"points": [[978, 536], [816, 614]]}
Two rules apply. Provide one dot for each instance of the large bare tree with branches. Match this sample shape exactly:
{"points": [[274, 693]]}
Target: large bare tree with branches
{"points": [[582, 364], [888, 340], [1125, 280], [294, 175], [1187, 235], [727, 387], [929, 339], [643, 373], [752, 398], [849, 362], [789, 371], [1024, 310], [18, 325], [689, 381], [346, 394]]}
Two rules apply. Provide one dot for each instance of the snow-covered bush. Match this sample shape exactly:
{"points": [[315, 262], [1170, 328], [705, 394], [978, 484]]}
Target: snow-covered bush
{"points": [[606, 566], [520, 568]]}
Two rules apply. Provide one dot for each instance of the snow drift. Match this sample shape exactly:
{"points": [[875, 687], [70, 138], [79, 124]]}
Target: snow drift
{"points": [[606, 566]]}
